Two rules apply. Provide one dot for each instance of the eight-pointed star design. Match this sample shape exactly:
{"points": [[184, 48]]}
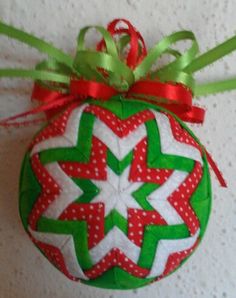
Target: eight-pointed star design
{"points": [[116, 192]]}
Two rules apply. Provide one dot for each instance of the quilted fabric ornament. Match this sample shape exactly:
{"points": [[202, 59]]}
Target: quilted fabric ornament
{"points": [[115, 189], [115, 194]]}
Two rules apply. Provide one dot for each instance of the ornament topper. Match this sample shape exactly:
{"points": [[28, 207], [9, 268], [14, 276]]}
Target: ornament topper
{"points": [[121, 66]]}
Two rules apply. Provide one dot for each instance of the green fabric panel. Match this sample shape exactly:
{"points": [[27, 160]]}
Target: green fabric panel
{"points": [[201, 193], [152, 234], [28, 180], [142, 193], [116, 278], [202, 210], [81, 152], [114, 218], [78, 229], [29, 190], [118, 166], [90, 190], [167, 232], [85, 134], [156, 159], [129, 108], [127, 281], [115, 106], [62, 154], [209, 191], [106, 281], [201, 199], [120, 106]]}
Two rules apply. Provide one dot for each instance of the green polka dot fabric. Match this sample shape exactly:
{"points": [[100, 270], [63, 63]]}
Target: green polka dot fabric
{"points": [[115, 194]]}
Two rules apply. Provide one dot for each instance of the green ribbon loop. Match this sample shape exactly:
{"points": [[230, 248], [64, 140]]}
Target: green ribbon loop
{"points": [[88, 63], [178, 77], [55, 67], [37, 43], [109, 66], [215, 87], [108, 63], [212, 55], [109, 42], [41, 75], [163, 47]]}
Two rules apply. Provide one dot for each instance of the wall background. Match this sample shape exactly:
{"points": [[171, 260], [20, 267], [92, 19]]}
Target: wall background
{"points": [[211, 271]]}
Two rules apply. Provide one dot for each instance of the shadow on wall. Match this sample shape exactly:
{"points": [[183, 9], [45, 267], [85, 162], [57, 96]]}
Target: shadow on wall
{"points": [[12, 150]]}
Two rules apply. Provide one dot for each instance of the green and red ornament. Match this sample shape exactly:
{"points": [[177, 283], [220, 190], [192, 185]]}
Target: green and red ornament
{"points": [[115, 189]]}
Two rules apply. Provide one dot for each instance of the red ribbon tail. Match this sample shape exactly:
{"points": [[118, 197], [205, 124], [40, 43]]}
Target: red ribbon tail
{"points": [[46, 107], [216, 169], [43, 94]]}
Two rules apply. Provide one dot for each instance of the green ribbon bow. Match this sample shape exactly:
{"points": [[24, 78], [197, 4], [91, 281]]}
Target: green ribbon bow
{"points": [[56, 71]]}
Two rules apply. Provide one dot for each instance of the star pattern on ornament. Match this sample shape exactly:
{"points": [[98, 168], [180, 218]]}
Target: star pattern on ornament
{"points": [[116, 192], [120, 201]]}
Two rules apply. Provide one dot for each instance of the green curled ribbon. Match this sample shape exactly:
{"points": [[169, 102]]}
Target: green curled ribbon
{"points": [[108, 70], [109, 66]]}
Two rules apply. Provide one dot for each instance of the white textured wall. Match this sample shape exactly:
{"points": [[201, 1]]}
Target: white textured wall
{"points": [[211, 271]]}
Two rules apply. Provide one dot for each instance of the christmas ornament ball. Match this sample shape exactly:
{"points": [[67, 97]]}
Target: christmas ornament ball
{"points": [[115, 194]]}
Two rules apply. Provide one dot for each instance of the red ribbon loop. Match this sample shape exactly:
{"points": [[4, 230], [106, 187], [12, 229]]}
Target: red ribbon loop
{"points": [[166, 93], [195, 115], [96, 90], [134, 57], [174, 97]]}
